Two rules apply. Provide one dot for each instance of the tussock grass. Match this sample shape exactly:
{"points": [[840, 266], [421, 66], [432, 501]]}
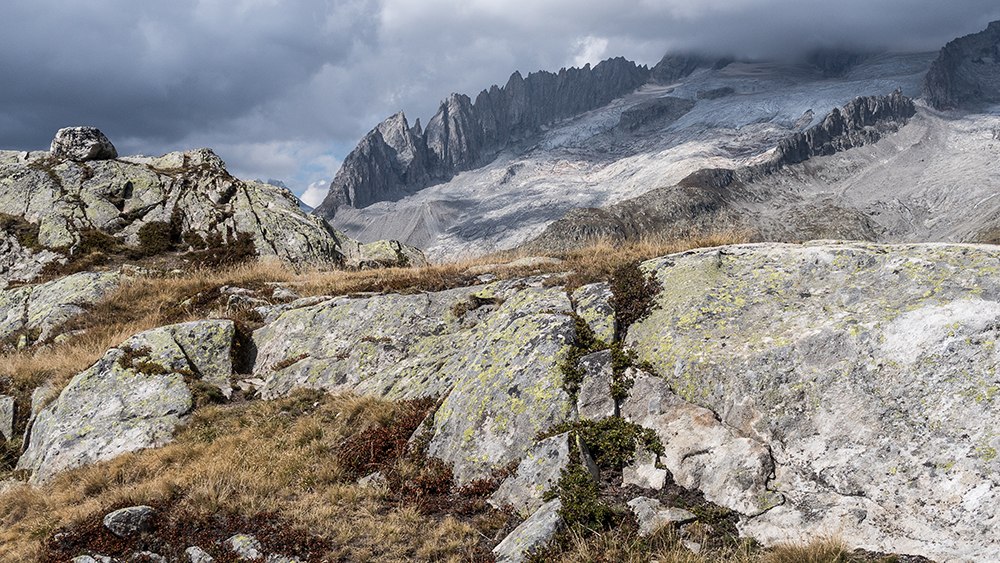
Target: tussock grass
{"points": [[276, 456]]}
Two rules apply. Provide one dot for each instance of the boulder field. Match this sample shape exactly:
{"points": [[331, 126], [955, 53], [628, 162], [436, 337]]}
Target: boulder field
{"points": [[827, 388]]}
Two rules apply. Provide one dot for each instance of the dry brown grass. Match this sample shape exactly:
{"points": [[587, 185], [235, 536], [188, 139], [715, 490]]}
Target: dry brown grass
{"points": [[274, 456]]}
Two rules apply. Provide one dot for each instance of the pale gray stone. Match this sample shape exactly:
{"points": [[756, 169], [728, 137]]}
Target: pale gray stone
{"points": [[246, 546], [129, 521], [44, 307], [65, 198], [652, 515], [532, 533], [537, 473], [109, 408], [592, 303], [643, 472], [502, 373], [82, 144], [700, 452], [867, 370], [6, 417], [285, 294], [196, 554], [594, 400]]}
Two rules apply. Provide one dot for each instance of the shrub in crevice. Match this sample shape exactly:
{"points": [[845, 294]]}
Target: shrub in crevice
{"points": [[632, 294]]}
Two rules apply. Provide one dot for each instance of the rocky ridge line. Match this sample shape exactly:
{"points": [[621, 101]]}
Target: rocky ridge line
{"points": [[967, 72], [394, 158]]}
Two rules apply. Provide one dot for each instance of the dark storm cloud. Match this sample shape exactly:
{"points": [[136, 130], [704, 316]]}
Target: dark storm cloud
{"points": [[284, 89], [159, 70]]}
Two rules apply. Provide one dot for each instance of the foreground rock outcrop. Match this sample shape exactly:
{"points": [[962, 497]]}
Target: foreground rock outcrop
{"points": [[130, 399], [868, 371], [817, 388], [34, 311]]}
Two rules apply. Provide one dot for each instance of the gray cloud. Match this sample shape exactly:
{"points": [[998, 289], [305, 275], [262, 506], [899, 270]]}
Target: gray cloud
{"points": [[284, 89]]}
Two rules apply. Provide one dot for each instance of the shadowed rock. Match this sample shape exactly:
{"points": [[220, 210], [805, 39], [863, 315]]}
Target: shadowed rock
{"points": [[967, 72], [81, 144]]}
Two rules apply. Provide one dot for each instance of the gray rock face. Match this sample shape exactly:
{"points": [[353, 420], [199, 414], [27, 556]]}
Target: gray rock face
{"points": [[869, 372], [6, 417], [497, 364], [81, 144], [196, 554], [593, 305], [701, 452], [672, 68], [658, 112], [967, 72], [861, 122], [533, 532], [594, 401], [130, 399], [44, 307], [190, 195], [394, 159], [246, 546], [652, 515], [20, 264], [537, 473], [129, 521]]}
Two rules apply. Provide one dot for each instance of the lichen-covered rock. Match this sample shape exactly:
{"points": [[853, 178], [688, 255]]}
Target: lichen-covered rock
{"points": [[498, 370], [532, 533], [537, 473], [652, 515], [382, 254], [868, 370], [509, 386], [196, 554], [6, 417], [246, 546], [391, 345], [44, 307], [187, 197], [593, 304], [130, 399], [594, 401], [82, 144], [700, 452], [129, 521], [20, 264]]}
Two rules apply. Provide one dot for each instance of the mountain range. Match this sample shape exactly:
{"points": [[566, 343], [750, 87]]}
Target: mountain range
{"points": [[560, 157]]}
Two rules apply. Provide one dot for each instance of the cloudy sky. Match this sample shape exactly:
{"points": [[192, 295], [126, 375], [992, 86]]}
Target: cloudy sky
{"points": [[284, 89]]}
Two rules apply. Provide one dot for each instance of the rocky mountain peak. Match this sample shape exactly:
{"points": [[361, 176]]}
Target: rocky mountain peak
{"points": [[394, 159], [967, 72]]}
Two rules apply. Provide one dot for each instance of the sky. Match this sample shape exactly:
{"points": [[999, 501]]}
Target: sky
{"points": [[284, 89]]}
